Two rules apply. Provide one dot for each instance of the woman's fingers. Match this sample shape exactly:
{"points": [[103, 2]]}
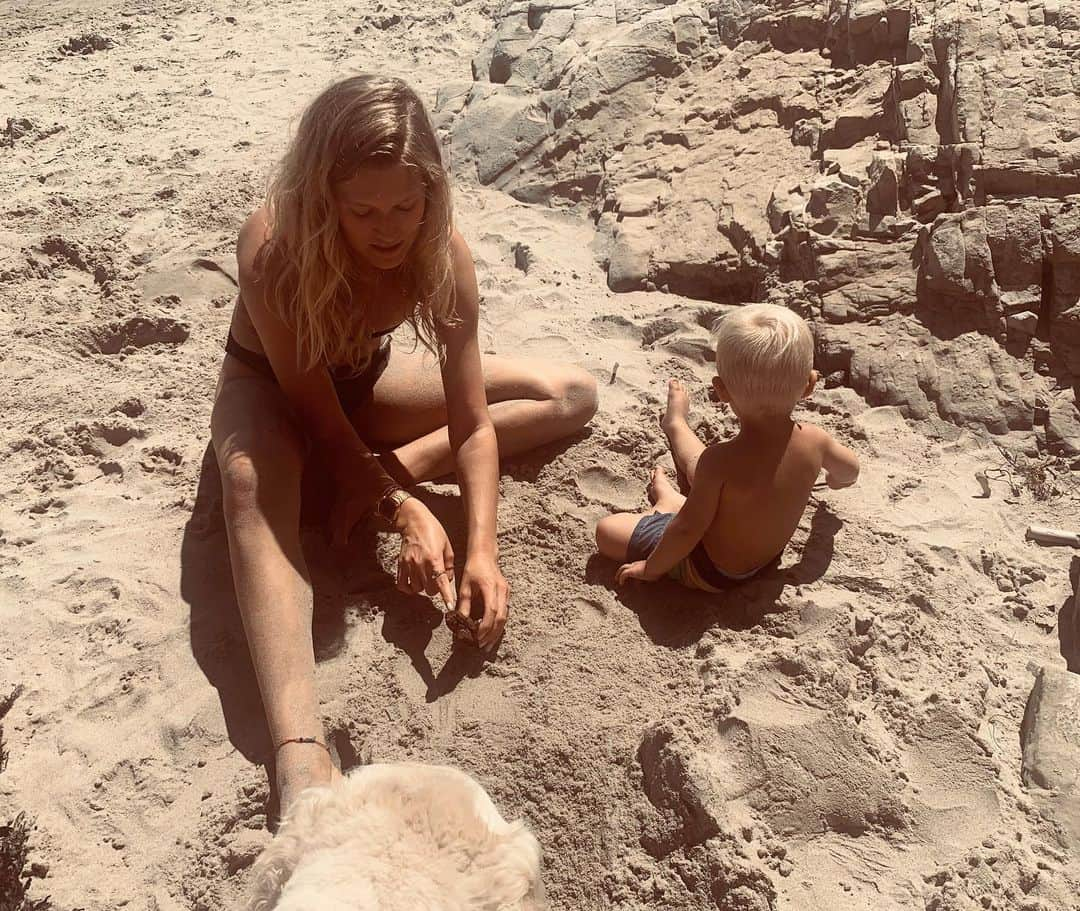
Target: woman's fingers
{"points": [[496, 611], [464, 604], [445, 582], [403, 582], [498, 623]]}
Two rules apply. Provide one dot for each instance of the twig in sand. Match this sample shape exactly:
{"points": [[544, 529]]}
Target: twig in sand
{"points": [[614, 371]]}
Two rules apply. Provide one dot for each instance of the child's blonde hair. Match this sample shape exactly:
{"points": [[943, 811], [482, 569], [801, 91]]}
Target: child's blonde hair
{"points": [[764, 357], [363, 120]]}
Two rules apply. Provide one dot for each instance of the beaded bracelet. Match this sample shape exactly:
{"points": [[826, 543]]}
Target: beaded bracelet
{"points": [[302, 740]]}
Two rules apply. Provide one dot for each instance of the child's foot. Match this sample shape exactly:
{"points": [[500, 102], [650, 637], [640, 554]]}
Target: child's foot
{"points": [[678, 406], [662, 493]]}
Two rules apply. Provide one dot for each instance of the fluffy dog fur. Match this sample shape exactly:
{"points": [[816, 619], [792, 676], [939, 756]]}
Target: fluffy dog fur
{"points": [[398, 837]]}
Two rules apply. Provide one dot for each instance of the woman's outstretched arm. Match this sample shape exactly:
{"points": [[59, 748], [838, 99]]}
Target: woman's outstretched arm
{"points": [[476, 453]]}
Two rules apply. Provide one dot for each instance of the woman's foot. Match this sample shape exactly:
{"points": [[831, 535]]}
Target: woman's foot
{"points": [[300, 766], [678, 407], [662, 493]]}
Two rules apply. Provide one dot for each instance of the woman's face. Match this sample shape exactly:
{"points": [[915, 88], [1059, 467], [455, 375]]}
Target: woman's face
{"points": [[380, 210]]}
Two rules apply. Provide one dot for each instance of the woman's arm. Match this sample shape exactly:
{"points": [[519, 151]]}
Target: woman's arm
{"points": [[476, 450], [310, 392], [689, 525]]}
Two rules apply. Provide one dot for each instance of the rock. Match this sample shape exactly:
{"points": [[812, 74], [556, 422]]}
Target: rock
{"points": [[1069, 621], [1023, 323], [83, 45], [1063, 426], [641, 197], [901, 153], [1064, 284], [1050, 738], [630, 256], [18, 127], [1049, 733]]}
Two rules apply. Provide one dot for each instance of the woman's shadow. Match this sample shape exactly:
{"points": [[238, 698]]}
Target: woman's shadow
{"points": [[675, 616], [219, 644]]}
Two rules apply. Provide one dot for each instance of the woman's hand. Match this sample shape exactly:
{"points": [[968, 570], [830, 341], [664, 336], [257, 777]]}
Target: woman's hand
{"points": [[484, 588], [635, 570], [426, 561]]}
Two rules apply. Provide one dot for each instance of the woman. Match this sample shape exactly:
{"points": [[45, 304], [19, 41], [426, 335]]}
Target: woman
{"points": [[356, 238]]}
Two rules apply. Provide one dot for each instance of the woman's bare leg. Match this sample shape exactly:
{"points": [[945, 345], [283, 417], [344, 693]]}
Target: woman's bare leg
{"points": [[261, 455], [531, 402], [686, 448]]}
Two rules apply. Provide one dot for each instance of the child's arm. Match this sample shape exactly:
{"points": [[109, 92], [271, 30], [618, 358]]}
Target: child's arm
{"points": [[689, 525], [840, 463]]}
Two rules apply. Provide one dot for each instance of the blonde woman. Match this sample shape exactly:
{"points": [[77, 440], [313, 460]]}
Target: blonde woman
{"points": [[356, 238]]}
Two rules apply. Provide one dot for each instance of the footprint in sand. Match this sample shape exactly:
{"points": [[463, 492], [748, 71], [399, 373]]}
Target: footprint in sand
{"points": [[587, 612], [555, 347], [616, 326], [600, 483]]}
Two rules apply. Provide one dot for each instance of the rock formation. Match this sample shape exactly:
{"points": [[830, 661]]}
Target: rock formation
{"points": [[909, 165]]}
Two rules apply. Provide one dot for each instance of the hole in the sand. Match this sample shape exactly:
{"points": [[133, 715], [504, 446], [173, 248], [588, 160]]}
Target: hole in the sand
{"points": [[117, 433], [133, 408], [83, 45], [136, 332]]}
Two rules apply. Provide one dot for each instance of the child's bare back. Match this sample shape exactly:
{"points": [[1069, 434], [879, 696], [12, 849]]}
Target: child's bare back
{"points": [[746, 496], [764, 478]]}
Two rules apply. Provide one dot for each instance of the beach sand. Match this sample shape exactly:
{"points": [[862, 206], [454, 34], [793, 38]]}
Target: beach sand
{"points": [[844, 734]]}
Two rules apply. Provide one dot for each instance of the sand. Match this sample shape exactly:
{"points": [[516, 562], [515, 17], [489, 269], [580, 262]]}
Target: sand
{"points": [[842, 735]]}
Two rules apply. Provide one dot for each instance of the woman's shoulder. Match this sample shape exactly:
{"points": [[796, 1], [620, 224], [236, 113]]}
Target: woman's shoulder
{"points": [[253, 234], [459, 249]]}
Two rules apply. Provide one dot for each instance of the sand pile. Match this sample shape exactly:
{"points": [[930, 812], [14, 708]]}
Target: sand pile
{"points": [[844, 734]]}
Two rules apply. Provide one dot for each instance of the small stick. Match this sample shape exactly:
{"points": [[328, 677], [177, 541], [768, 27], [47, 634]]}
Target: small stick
{"points": [[614, 370]]}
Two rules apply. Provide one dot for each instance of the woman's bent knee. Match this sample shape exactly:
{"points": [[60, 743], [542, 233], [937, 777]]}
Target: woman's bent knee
{"points": [[239, 485], [578, 398]]}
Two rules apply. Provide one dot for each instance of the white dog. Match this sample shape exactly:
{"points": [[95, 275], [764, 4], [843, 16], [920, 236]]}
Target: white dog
{"points": [[398, 837]]}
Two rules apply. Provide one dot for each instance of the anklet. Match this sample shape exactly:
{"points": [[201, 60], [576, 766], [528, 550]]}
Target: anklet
{"points": [[302, 740]]}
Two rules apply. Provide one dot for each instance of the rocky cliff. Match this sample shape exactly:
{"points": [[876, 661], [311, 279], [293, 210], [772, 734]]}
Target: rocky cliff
{"points": [[906, 169]]}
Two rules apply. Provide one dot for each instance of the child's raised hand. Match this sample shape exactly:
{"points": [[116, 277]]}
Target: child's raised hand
{"points": [[630, 571]]}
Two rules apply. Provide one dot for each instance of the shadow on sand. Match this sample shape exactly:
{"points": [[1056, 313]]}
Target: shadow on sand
{"points": [[675, 617], [216, 628]]}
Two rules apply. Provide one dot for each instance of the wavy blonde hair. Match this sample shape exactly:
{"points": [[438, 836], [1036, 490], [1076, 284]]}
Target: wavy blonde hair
{"points": [[306, 263]]}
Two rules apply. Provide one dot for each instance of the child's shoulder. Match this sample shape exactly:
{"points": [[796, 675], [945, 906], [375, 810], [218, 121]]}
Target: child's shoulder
{"points": [[716, 459], [814, 440], [812, 433]]}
